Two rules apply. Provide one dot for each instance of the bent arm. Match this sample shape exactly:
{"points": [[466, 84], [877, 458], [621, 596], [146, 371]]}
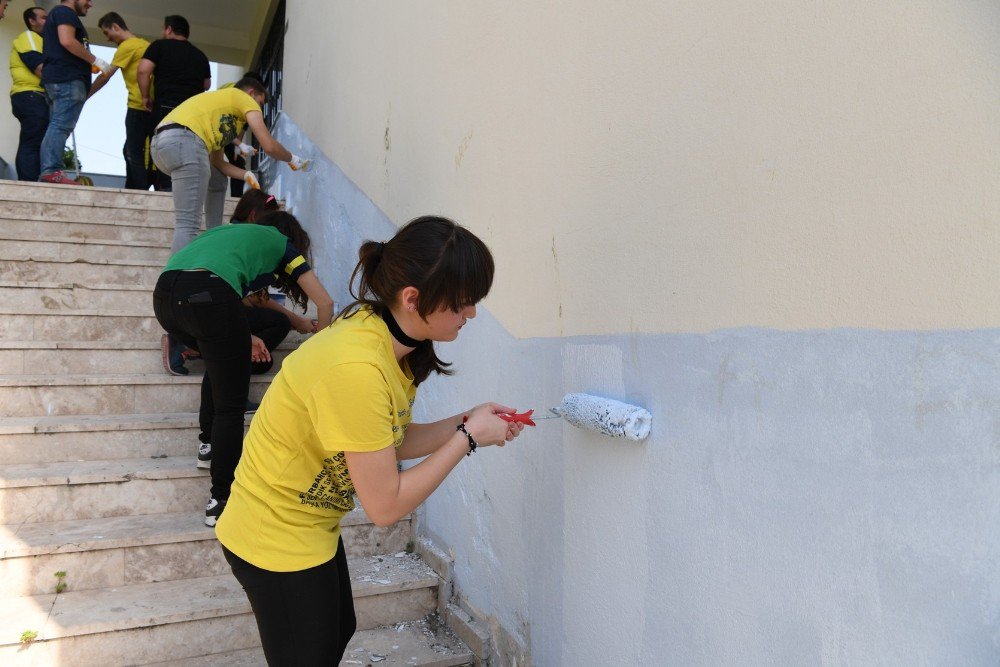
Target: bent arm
{"points": [[387, 494], [268, 144], [314, 289], [299, 323], [218, 160], [67, 38], [144, 74]]}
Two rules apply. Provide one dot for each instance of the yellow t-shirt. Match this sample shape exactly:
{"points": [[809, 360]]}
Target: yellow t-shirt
{"points": [[22, 78], [342, 390], [127, 57], [217, 116]]}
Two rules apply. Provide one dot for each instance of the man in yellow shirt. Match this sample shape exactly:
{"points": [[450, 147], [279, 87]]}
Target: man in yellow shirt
{"points": [[27, 97], [137, 117], [187, 146]]}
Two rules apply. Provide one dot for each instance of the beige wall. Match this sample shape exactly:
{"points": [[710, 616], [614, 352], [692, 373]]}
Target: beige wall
{"points": [[679, 166]]}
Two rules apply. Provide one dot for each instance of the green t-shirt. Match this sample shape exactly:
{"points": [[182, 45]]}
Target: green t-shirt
{"points": [[247, 257]]}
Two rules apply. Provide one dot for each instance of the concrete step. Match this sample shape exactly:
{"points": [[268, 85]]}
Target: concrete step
{"points": [[71, 490], [101, 357], [24, 246], [49, 295], [38, 440], [119, 272], [143, 623], [422, 643], [48, 395], [120, 551], [62, 197], [26, 227], [86, 325]]}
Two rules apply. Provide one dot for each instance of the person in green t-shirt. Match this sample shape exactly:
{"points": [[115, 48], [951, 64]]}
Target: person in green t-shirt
{"points": [[198, 300], [336, 421]]}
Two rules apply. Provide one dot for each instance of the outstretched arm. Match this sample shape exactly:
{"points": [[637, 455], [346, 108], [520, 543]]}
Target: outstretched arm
{"points": [[101, 80]]}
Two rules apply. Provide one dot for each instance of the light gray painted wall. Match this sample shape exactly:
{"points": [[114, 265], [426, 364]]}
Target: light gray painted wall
{"points": [[814, 497]]}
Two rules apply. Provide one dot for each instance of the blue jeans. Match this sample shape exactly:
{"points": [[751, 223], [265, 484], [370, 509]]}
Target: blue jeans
{"points": [[31, 108], [65, 104], [197, 185]]}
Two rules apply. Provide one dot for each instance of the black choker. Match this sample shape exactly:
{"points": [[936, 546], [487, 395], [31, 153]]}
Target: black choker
{"points": [[396, 332]]}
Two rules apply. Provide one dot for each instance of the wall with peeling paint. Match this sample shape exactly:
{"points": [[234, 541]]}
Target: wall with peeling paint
{"points": [[659, 186]]}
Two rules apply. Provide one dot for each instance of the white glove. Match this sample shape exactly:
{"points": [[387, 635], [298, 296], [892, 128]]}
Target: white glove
{"points": [[298, 164], [246, 150], [251, 180], [102, 65]]}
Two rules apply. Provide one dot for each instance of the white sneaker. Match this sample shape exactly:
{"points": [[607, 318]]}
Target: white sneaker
{"points": [[213, 510], [205, 455]]}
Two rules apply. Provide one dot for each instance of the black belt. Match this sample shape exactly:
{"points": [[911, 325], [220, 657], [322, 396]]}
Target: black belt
{"points": [[171, 126]]}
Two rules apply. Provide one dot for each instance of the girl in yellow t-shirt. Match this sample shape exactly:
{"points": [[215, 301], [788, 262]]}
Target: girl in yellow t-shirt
{"points": [[334, 423]]}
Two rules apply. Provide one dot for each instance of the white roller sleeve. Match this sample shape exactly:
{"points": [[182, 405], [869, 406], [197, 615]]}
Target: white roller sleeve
{"points": [[606, 416]]}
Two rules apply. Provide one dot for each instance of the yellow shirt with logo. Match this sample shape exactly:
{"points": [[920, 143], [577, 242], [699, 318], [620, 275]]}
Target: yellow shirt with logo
{"points": [[217, 116], [127, 57], [342, 390], [22, 78]]}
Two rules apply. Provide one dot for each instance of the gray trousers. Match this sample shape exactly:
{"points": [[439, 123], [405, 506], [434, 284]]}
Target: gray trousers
{"points": [[182, 155]]}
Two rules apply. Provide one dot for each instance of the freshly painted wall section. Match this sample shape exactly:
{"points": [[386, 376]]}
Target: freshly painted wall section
{"points": [[824, 497], [679, 166]]}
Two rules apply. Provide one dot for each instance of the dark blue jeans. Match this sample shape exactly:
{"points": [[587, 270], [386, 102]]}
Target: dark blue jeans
{"points": [[65, 104], [205, 313], [32, 110], [134, 151]]}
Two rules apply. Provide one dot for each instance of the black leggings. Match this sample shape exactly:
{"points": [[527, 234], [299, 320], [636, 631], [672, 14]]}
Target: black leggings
{"points": [[202, 311], [305, 618]]}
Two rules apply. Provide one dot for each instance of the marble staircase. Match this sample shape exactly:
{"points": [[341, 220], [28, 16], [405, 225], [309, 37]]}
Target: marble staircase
{"points": [[97, 465]]}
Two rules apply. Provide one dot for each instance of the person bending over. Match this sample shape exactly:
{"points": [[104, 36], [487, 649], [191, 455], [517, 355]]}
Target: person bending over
{"points": [[187, 146], [198, 300], [336, 420]]}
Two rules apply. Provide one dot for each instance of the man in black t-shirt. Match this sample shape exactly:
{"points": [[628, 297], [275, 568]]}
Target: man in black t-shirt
{"points": [[181, 71]]}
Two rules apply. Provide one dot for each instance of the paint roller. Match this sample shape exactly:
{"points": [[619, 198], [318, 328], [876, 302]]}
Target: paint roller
{"points": [[594, 413]]}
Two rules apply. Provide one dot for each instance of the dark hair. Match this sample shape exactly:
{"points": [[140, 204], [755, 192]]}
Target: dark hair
{"points": [[287, 224], [252, 205], [178, 24], [255, 77], [112, 18], [448, 264], [251, 84], [29, 15]]}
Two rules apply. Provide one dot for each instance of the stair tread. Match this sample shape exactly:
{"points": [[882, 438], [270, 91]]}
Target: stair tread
{"points": [[124, 287], [141, 605], [51, 537], [59, 473], [13, 235], [415, 643], [290, 343], [145, 263], [78, 423], [110, 379]]}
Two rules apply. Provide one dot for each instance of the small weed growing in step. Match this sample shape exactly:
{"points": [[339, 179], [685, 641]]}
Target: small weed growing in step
{"points": [[29, 636], [410, 546], [60, 581]]}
